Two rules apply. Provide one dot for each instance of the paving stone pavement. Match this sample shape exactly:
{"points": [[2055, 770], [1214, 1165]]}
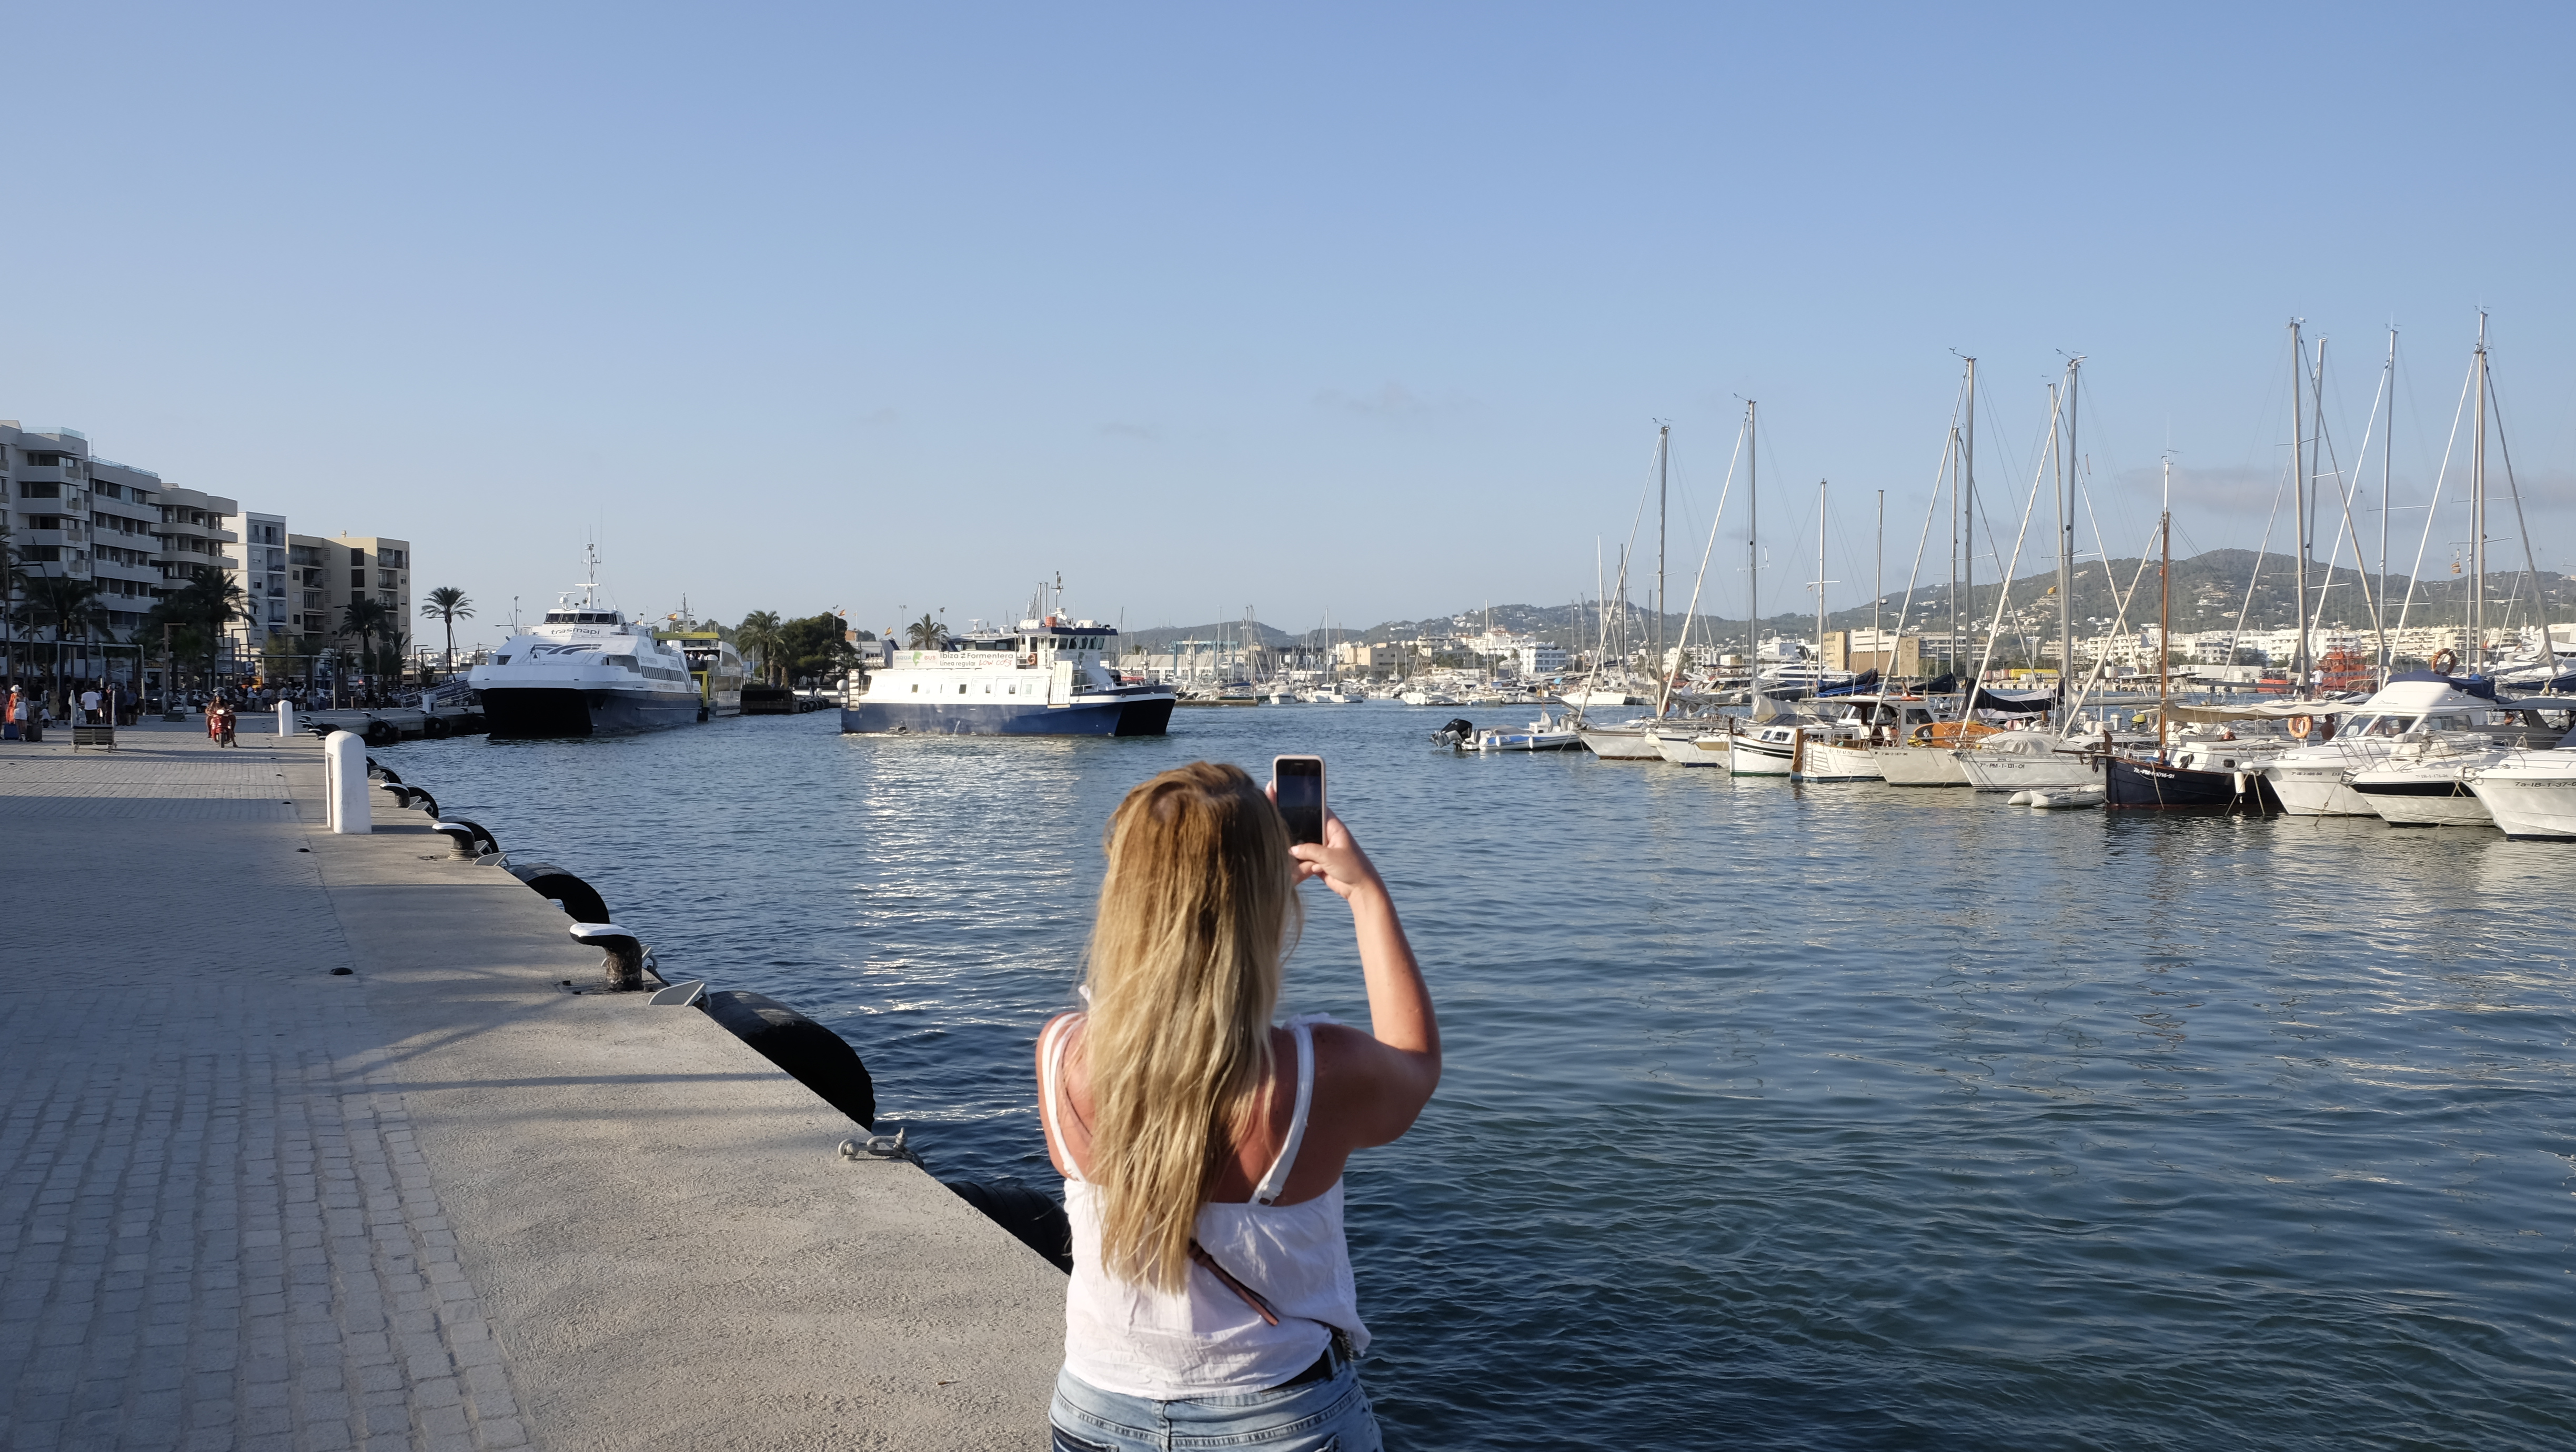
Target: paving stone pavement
{"points": [[216, 1230]]}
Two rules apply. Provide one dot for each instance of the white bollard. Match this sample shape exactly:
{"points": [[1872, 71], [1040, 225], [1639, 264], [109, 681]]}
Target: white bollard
{"points": [[286, 718], [344, 777]]}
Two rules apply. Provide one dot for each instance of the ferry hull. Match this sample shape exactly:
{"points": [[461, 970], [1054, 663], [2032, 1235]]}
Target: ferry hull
{"points": [[535, 712], [1132, 716]]}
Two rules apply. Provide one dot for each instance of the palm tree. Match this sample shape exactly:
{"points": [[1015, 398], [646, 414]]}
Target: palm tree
{"points": [[926, 633], [203, 607], [69, 607], [366, 618], [757, 637], [448, 605]]}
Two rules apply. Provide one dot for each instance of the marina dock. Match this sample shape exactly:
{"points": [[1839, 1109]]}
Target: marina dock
{"points": [[437, 1199]]}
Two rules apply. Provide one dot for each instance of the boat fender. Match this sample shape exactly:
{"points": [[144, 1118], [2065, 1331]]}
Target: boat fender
{"points": [[381, 773], [436, 728], [382, 733], [813, 1055], [622, 963], [2018, 799], [1032, 1216], [580, 900], [2300, 726]]}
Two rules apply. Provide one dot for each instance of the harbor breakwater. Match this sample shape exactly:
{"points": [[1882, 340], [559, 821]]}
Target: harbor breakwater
{"points": [[1774, 1115]]}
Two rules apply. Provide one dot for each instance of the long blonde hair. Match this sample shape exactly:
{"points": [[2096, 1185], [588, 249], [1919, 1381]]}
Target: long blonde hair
{"points": [[1197, 910]]}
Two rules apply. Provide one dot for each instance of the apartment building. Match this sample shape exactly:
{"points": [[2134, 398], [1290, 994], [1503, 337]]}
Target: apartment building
{"points": [[262, 574], [194, 536], [323, 575]]}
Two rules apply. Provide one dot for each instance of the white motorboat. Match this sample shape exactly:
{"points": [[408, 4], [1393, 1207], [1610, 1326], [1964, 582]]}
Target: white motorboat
{"points": [[1849, 750], [2014, 761], [1623, 741], [2532, 794], [586, 670], [1697, 748], [1544, 734], [1771, 750], [2311, 778], [2424, 782]]}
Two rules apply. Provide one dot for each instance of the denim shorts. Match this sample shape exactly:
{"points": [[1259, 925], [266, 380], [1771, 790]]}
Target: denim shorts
{"points": [[1321, 1416]]}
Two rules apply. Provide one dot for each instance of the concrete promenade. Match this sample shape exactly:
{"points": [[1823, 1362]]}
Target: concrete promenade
{"points": [[441, 1202]]}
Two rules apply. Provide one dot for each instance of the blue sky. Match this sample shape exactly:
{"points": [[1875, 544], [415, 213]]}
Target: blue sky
{"points": [[1360, 310]]}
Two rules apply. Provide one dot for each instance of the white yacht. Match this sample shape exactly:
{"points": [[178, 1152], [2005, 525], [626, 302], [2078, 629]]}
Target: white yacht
{"points": [[1050, 677], [2530, 794], [586, 670], [2310, 779], [2424, 781], [2016, 761], [1768, 750], [1849, 750]]}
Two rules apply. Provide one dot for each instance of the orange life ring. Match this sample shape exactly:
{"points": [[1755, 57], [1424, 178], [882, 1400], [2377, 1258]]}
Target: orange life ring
{"points": [[2300, 726], [2445, 661]]}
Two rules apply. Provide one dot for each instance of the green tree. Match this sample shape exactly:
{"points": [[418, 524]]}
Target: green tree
{"points": [[757, 638], [200, 609], [816, 646], [926, 633], [447, 605]]}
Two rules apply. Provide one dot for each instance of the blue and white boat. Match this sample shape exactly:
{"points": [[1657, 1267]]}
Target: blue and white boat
{"points": [[1050, 677], [586, 670]]}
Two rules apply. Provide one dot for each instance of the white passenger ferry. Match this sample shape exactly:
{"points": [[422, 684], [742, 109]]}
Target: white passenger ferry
{"points": [[586, 670], [1050, 677]]}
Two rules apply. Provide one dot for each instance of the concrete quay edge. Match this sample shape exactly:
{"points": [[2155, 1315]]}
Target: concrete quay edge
{"points": [[657, 1224]]}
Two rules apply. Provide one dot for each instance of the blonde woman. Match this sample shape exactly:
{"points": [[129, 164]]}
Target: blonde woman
{"points": [[1202, 1146]]}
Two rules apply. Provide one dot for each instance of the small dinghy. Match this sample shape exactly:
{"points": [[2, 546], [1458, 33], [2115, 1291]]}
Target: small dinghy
{"points": [[2061, 798]]}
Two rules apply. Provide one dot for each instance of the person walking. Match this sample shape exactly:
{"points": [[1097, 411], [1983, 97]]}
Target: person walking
{"points": [[1202, 1146], [89, 707]]}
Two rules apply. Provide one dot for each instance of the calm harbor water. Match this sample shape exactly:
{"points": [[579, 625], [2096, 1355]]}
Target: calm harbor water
{"points": [[1775, 1116]]}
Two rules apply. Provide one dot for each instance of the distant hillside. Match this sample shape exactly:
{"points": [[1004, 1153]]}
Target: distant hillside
{"points": [[2208, 592]]}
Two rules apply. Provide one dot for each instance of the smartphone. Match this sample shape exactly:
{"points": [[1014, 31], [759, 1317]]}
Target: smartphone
{"points": [[1299, 782]]}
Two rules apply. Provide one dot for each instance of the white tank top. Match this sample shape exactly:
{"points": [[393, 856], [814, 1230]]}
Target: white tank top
{"points": [[1205, 1340]]}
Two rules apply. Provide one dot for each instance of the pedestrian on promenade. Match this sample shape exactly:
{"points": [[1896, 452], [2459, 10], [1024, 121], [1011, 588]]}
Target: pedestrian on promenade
{"points": [[13, 727], [89, 707], [225, 721], [1202, 1147]]}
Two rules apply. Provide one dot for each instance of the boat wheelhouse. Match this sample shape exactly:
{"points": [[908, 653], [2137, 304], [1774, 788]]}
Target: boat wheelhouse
{"points": [[1050, 677]]}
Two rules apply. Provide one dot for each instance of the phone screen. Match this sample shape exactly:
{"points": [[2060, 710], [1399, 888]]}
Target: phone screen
{"points": [[1300, 780]]}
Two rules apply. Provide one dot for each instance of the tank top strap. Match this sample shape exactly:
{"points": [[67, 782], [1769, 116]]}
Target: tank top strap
{"points": [[1052, 1043], [1276, 1182]]}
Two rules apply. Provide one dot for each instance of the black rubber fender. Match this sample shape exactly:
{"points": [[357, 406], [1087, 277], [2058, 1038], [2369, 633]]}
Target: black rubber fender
{"points": [[581, 902], [382, 733], [1032, 1216], [436, 728], [813, 1055]]}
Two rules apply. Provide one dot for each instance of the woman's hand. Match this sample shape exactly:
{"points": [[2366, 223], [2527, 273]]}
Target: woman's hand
{"points": [[1338, 861]]}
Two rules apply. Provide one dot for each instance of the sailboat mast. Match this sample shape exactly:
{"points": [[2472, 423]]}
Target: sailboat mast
{"points": [[2478, 518], [1752, 546], [2069, 465], [2164, 611], [1878, 582], [1663, 498], [1820, 570], [1968, 509], [2299, 506], [2387, 439]]}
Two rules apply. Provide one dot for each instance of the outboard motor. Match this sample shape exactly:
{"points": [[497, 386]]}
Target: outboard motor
{"points": [[1456, 734]]}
